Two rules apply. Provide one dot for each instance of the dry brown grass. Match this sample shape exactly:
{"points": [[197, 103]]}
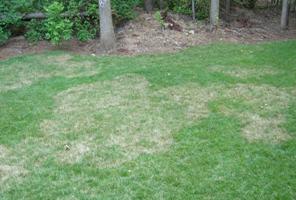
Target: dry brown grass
{"points": [[263, 119], [51, 66], [10, 168], [240, 72], [111, 122], [124, 116], [8, 172]]}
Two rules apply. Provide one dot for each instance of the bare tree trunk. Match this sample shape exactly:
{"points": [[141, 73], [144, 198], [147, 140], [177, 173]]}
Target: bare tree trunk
{"points": [[106, 25], [285, 14], [148, 5], [161, 4], [228, 6], [214, 13], [193, 10], [228, 9]]}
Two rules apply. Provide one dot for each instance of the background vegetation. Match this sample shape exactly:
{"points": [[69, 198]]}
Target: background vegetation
{"points": [[81, 17]]}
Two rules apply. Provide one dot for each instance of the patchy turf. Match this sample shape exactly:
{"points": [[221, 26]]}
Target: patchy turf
{"points": [[213, 122]]}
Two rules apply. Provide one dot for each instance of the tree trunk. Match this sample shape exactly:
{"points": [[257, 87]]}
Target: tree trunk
{"points": [[107, 35], [148, 5], [228, 9], [193, 10], [285, 14], [214, 13], [228, 6], [161, 4]]}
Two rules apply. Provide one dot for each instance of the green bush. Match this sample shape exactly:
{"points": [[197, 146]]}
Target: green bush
{"points": [[85, 31], [57, 28], [4, 35], [9, 18], [35, 30], [157, 16], [184, 7], [124, 9]]}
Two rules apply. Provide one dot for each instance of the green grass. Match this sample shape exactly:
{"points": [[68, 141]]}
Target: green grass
{"points": [[211, 122]]}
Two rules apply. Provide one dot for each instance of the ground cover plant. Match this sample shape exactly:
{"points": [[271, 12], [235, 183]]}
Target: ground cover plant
{"points": [[211, 122]]}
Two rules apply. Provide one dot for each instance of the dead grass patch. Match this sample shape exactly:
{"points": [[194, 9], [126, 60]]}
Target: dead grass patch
{"points": [[112, 122], [263, 119], [124, 118], [8, 172], [3, 151], [21, 75], [10, 168], [241, 72]]}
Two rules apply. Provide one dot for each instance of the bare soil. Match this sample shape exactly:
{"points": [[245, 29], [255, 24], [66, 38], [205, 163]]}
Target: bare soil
{"points": [[144, 34]]}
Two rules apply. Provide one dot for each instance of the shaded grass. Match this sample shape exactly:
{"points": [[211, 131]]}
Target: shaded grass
{"points": [[208, 159]]}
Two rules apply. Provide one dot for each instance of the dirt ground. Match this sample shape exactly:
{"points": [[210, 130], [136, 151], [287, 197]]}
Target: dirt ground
{"points": [[144, 34]]}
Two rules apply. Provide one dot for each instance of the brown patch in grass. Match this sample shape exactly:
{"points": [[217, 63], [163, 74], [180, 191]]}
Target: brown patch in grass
{"points": [[263, 128], [75, 152], [8, 172], [9, 169], [108, 123], [124, 118], [263, 118], [3, 151], [22, 75], [241, 72]]}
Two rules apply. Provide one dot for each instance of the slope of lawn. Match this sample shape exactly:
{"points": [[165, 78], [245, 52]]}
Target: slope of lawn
{"points": [[210, 122]]}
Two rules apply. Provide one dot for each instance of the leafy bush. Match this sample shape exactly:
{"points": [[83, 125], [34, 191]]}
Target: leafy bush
{"points": [[124, 9], [8, 17], [85, 31], [35, 30], [159, 19], [247, 3], [57, 27], [184, 7], [4, 35]]}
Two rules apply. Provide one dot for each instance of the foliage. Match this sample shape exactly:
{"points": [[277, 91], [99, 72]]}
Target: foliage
{"points": [[4, 35], [85, 31], [184, 7], [8, 17], [124, 9], [35, 30], [159, 19], [247, 3], [57, 27]]}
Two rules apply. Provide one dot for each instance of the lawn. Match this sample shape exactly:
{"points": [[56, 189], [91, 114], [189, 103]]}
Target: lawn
{"points": [[210, 122]]}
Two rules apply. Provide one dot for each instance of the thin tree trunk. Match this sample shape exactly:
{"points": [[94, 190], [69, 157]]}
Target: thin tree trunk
{"points": [[228, 6], [107, 35], [228, 9], [214, 13], [193, 10], [148, 5], [161, 4], [285, 14]]}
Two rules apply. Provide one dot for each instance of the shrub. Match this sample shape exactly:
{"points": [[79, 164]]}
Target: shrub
{"points": [[184, 7], [35, 30], [4, 35], [159, 19], [124, 9], [85, 31], [57, 27], [9, 17]]}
